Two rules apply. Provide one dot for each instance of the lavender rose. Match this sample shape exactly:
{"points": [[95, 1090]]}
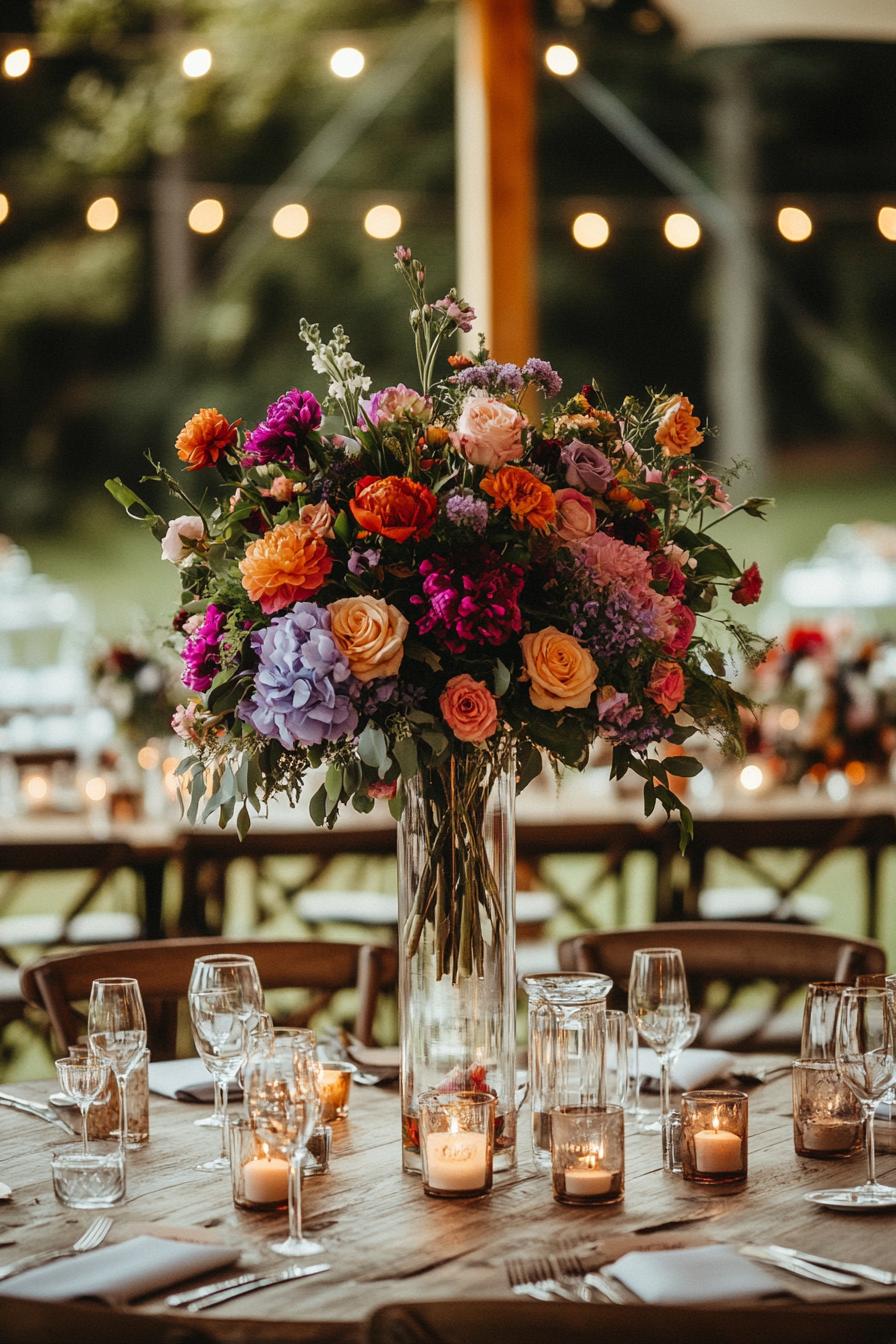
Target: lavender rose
{"points": [[587, 468]]}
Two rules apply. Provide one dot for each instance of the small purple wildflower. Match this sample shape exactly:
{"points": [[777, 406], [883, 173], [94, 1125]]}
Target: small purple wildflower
{"points": [[545, 378], [464, 509], [361, 559]]}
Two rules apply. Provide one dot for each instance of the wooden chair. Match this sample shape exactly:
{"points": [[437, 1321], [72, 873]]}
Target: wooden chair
{"points": [[460, 1322], [59, 981], [726, 958]]}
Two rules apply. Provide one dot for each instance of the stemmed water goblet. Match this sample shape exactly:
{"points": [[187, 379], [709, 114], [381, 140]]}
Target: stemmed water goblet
{"points": [[82, 1081], [283, 1101], [660, 1008], [219, 1032], [116, 1033], [234, 971]]}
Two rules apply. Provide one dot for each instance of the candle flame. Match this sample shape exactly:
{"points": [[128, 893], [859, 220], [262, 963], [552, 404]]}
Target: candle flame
{"points": [[715, 1120]]}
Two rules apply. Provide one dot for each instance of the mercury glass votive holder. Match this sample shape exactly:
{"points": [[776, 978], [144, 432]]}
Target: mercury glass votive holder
{"points": [[259, 1174], [317, 1156], [714, 1128], [102, 1118], [91, 1180], [457, 1143], [827, 1118], [335, 1089], [588, 1154]]}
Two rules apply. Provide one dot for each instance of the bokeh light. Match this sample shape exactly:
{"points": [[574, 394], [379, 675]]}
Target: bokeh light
{"points": [[794, 224], [4, 207], [752, 778], [206, 216], [886, 222], [561, 60], [95, 789], [347, 62], [17, 63], [290, 221], [590, 229], [197, 63], [681, 230], [382, 221], [102, 214]]}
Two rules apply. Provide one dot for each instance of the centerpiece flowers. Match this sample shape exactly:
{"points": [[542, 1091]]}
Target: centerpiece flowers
{"points": [[425, 596]]}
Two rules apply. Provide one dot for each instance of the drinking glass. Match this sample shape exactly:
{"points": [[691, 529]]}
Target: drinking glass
{"points": [[236, 971], [866, 1061], [116, 1033], [82, 1081], [219, 1031], [283, 1102], [819, 1035], [659, 1006], [616, 1063]]}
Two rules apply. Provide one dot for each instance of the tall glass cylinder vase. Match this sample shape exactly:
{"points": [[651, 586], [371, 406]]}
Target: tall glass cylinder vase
{"points": [[457, 983]]}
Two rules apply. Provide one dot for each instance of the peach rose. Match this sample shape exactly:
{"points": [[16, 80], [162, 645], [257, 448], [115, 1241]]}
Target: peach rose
{"points": [[666, 685], [370, 633], [563, 675], [489, 432], [282, 489], [469, 708], [318, 518], [188, 527], [576, 515], [679, 429]]}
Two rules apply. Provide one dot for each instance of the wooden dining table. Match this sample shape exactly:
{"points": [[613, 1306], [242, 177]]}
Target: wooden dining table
{"points": [[387, 1242]]}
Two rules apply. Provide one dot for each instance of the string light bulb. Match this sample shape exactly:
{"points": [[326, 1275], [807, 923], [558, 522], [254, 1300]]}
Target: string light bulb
{"points": [[681, 230], [4, 207], [102, 214], [206, 216], [197, 63], [561, 60], [794, 224], [590, 229], [886, 222], [347, 62], [290, 221], [382, 221], [17, 63]]}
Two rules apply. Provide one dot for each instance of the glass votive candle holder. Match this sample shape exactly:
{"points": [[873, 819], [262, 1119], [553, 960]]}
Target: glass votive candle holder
{"points": [[588, 1154], [714, 1137], [827, 1118], [317, 1157], [457, 1142], [335, 1089], [259, 1174], [91, 1180], [103, 1118]]}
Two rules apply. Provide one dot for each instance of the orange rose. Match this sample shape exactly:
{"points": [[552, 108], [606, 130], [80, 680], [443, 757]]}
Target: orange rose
{"points": [[394, 506], [469, 708], [563, 675], [679, 429], [204, 438], [530, 501], [286, 565], [370, 632]]}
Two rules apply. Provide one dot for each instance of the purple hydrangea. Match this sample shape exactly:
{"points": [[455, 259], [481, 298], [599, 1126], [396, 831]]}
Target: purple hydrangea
{"points": [[303, 686], [463, 609], [202, 651], [288, 422], [545, 378], [464, 509]]}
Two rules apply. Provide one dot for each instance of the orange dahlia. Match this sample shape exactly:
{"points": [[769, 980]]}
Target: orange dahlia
{"points": [[204, 438], [394, 507], [286, 565], [530, 501]]}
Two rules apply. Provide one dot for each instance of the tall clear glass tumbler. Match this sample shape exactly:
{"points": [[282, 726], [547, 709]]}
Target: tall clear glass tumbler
{"points": [[567, 1048]]}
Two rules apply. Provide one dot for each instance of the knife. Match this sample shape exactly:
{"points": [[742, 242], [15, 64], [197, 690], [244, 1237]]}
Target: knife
{"points": [[15, 1104], [803, 1270], [259, 1281], [242, 1283], [23, 1101], [870, 1272]]}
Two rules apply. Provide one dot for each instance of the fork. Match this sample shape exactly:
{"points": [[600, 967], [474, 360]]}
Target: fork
{"points": [[95, 1235], [572, 1273], [534, 1278]]}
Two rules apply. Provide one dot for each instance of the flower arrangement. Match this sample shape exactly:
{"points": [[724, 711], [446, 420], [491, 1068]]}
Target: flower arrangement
{"points": [[434, 575]]}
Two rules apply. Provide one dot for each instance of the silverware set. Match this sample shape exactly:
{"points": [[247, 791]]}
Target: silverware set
{"points": [[37, 1110], [214, 1294], [95, 1235]]}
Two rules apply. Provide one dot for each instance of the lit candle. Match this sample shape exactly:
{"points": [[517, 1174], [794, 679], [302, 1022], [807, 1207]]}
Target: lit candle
{"points": [[456, 1161], [266, 1180], [588, 1177], [717, 1149], [828, 1136], [334, 1087]]}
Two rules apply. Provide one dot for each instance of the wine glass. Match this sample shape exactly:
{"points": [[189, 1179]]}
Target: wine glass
{"points": [[659, 1006], [283, 1102], [82, 1081], [219, 1031], [116, 1033], [865, 1052], [236, 971]]}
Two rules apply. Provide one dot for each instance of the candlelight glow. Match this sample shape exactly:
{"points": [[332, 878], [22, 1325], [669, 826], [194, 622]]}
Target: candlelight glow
{"points": [[4, 206], [290, 221], [148, 757], [789, 720], [794, 224], [382, 221], [37, 788], [206, 216], [347, 62], [590, 229], [886, 222], [102, 214], [561, 60], [95, 789], [681, 230], [17, 63], [751, 778], [197, 63]]}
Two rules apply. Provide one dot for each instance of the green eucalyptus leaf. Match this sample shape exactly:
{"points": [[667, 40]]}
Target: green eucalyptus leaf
{"points": [[501, 678]]}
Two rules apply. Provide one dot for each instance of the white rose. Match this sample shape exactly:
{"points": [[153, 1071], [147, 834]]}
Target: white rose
{"points": [[489, 432], [186, 528]]}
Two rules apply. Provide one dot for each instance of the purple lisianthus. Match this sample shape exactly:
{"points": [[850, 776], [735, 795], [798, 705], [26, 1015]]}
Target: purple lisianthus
{"points": [[303, 687], [282, 433], [587, 468], [462, 608], [545, 378], [202, 651], [464, 509]]}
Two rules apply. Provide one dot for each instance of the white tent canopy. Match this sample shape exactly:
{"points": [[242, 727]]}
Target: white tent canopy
{"points": [[725, 23]]}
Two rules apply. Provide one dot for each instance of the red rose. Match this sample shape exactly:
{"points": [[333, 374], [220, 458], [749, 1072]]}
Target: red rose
{"points": [[683, 621], [748, 587], [666, 685], [394, 507]]}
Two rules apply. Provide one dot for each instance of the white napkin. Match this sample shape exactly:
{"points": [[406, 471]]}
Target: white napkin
{"points": [[121, 1273], [693, 1068], [186, 1080], [698, 1274]]}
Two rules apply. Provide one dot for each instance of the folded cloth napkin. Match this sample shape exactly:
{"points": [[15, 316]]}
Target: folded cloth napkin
{"points": [[697, 1274], [693, 1068], [186, 1080], [121, 1273]]}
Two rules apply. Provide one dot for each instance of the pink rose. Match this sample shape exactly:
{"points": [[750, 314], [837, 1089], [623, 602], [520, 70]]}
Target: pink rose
{"points": [[653, 476], [576, 515], [282, 489], [181, 530], [183, 721], [714, 491], [489, 432], [318, 518], [666, 685], [469, 708], [682, 620], [666, 571], [396, 403]]}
